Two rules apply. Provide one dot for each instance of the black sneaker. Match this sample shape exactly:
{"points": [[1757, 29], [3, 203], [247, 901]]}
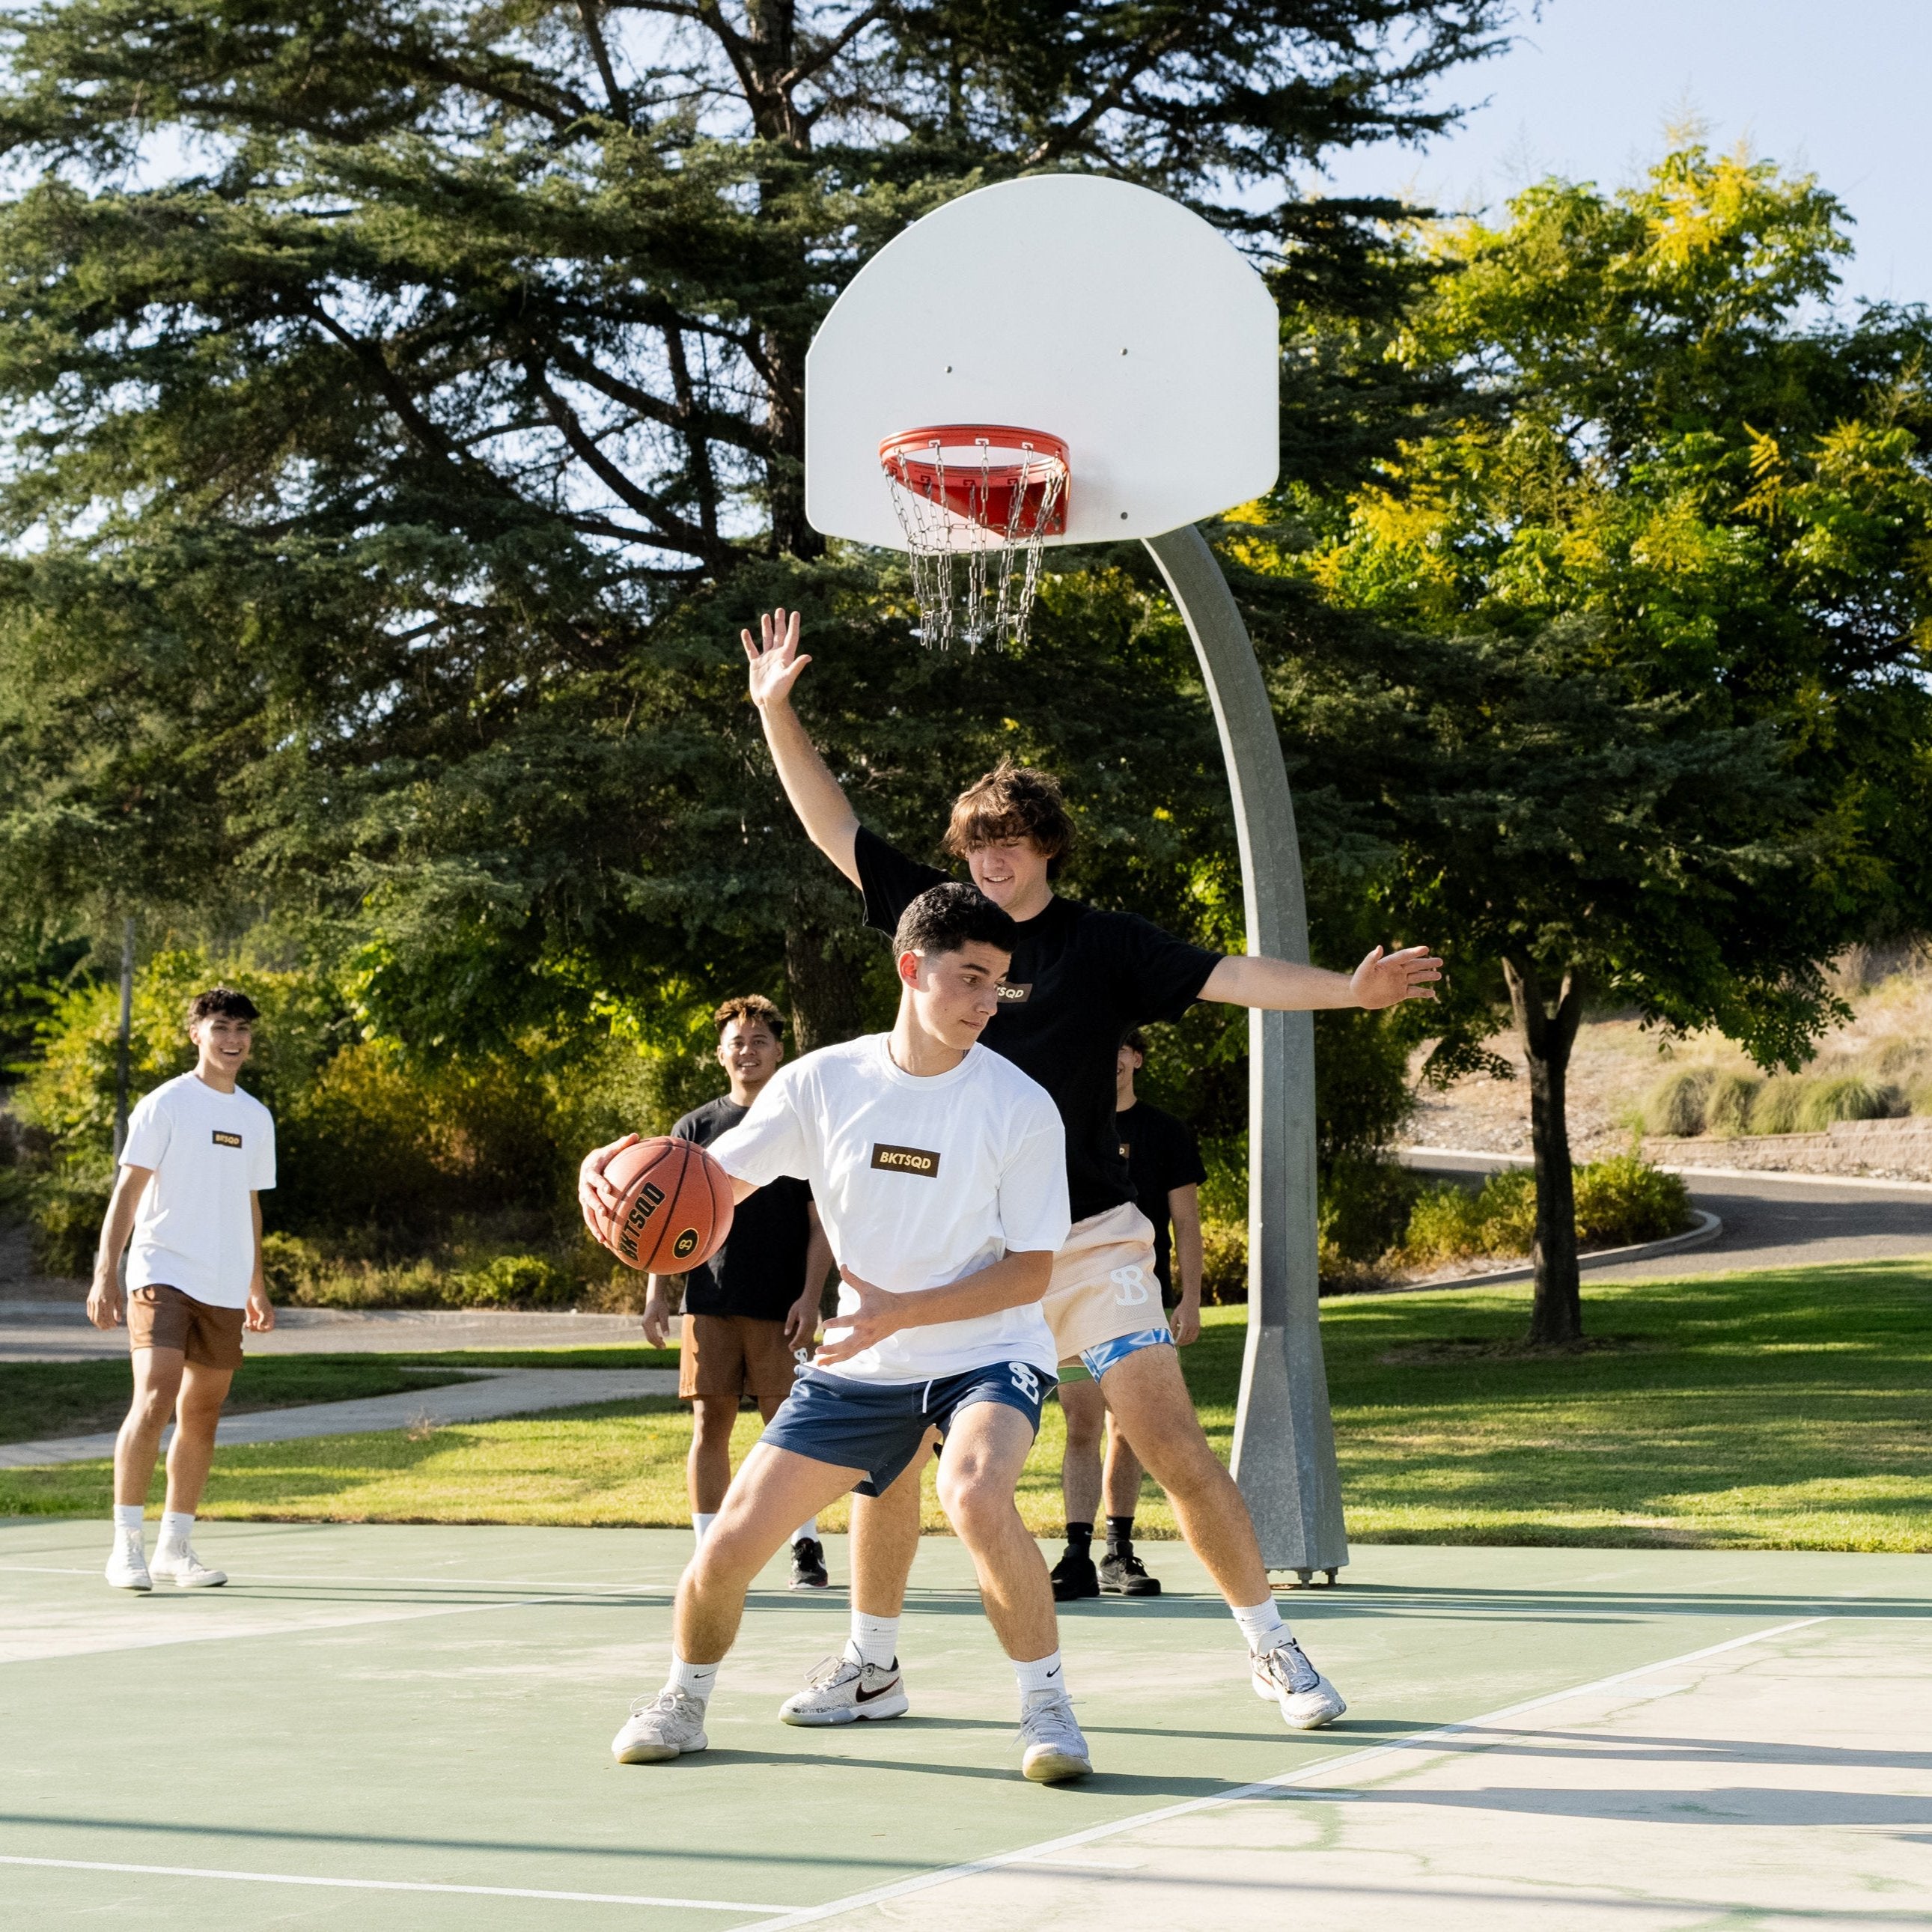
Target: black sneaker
{"points": [[1074, 1577], [1126, 1576], [808, 1564]]}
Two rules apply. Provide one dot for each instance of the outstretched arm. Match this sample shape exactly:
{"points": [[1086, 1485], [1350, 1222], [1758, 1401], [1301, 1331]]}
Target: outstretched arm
{"points": [[1382, 979], [823, 809]]}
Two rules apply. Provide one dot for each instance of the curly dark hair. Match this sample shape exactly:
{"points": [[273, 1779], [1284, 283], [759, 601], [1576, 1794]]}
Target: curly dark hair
{"points": [[747, 1009], [224, 1001]]}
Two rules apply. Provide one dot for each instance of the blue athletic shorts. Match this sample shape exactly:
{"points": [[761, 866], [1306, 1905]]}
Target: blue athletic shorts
{"points": [[878, 1426], [1102, 1357]]}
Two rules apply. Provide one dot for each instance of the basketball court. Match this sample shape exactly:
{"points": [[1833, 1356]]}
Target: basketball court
{"points": [[411, 1729]]}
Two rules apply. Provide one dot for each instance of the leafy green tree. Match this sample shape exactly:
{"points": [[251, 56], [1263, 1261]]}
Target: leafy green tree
{"points": [[405, 411], [1651, 623]]}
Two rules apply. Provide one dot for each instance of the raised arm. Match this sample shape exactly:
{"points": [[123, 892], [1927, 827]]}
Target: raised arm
{"points": [[1382, 979], [823, 809]]}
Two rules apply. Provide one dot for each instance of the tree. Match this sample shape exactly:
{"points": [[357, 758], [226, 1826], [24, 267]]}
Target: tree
{"points": [[1652, 623], [405, 410]]}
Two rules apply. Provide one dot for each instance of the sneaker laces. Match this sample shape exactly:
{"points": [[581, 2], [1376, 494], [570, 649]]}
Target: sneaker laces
{"points": [[1048, 1718], [1129, 1562], [666, 1699], [828, 1671], [1288, 1665]]}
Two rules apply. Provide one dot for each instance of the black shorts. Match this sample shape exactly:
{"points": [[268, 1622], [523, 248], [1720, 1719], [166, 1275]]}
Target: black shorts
{"points": [[878, 1426]]}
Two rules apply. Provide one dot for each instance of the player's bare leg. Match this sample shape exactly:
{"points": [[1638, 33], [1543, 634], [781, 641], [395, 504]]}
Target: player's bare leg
{"points": [[774, 1490], [978, 1470], [708, 1470], [885, 1540], [1085, 1409], [1146, 1393]]}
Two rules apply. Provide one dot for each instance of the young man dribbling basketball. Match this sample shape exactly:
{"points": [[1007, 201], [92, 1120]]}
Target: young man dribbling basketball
{"points": [[939, 1169], [199, 1152], [1079, 979]]}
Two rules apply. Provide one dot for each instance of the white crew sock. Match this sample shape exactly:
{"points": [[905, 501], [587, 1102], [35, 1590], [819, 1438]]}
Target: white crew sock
{"points": [[128, 1516], [808, 1527], [1044, 1673], [1262, 1626], [177, 1526], [694, 1680], [874, 1640], [700, 1524]]}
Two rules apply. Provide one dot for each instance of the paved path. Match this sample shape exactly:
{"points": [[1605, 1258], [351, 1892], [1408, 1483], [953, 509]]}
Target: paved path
{"points": [[1770, 1221], [53, 1330], [490, 1395]]}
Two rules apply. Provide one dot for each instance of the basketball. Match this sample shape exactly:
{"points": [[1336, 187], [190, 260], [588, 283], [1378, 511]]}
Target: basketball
{"points": [[675, 1209]]}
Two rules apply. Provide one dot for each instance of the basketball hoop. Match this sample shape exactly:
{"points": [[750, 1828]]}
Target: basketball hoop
{"points": [[988, 493]]}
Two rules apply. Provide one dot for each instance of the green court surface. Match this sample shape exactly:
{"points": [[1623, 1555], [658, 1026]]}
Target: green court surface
{"points": [[408, 1727]]}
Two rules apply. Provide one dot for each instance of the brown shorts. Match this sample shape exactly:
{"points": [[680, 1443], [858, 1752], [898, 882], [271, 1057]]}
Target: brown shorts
{"points": [[1103, 1284], [164, 1318], [734, 1355]]}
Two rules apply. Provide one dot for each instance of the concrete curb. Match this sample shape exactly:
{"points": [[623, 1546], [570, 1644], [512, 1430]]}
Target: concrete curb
{"points": [[1690, 1172], [1707, 1228]]}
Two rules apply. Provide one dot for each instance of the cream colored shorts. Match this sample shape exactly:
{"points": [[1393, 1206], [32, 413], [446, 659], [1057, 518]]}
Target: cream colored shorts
{"points": [[1103, 1284]]}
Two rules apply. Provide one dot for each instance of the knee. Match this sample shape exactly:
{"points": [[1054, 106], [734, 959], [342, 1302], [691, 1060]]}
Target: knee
{"points": [[975, 1508], [153, 1406], [711, 1425]]}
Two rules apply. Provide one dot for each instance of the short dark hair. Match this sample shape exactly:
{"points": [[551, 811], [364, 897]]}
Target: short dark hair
{"points": [[945, 918], [1136, 1039], [748, 1010], [223, 1003], [1013, 801]]}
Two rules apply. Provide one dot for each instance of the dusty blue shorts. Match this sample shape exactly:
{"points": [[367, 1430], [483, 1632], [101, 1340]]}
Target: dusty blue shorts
{"points": [[1102, 1357], [878, 1426]]}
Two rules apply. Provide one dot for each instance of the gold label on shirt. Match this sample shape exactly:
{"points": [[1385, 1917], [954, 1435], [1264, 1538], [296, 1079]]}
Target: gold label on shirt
{"points": [[1126, 1150], [227, 1140], [1014, 992], [905, 1160]]}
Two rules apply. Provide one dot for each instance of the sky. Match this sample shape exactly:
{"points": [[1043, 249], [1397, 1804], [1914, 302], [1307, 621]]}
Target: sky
{"points": [[1834, 88]]}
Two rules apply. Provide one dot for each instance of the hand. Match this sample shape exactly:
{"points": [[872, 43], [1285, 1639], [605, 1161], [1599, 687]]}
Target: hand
{"points": [[776, 663], [801, 1321], [593, 1192], [1388, 980], [880, 1313], [657, 1320], [261, 1316], [103, 1303], [1185, 1320]]}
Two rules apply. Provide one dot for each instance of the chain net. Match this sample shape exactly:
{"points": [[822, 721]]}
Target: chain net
{"points": [[974, 527]]}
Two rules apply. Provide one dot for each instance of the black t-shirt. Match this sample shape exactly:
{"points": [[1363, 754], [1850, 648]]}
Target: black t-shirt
{"points": [[760, 1271], [1162, 1154], [1079, 979]]}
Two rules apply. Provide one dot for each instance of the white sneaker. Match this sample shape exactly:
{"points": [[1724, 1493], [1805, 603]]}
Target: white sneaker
{"points": [[837, 1691], [667, 1726], [127, 1562], [176, 1563], [1284, 1676], [1052, 1749]]}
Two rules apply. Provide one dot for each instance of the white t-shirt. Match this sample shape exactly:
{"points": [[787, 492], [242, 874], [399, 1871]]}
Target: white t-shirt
{"points": [[919, 1181], [194, 1229]]}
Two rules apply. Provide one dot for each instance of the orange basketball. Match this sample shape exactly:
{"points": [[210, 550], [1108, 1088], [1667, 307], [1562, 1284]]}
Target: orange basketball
{"points": [[675, 1209]]}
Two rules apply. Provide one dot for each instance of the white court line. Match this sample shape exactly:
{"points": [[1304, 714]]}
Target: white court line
{"points": [[399, 1885], [1352, 1761], [318, 1576]]}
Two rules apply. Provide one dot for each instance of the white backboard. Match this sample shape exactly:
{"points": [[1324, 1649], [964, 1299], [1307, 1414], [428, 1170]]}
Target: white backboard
{"points": [[1100, 312]]}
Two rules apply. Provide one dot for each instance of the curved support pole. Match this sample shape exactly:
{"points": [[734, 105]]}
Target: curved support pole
{"points": [[1284, 1455]]}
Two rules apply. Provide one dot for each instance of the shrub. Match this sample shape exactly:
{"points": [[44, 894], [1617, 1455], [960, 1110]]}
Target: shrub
{"points": [[1847, 1098], [1625, 1200], [1445, 1224], [1727, 1107], [1677, 1104], [1224, 1263], [516, 1281], [1365, 1206], [1778, 1105]]}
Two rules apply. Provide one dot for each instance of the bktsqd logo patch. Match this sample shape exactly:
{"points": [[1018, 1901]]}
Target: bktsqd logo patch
{"points": [[685, 1245], [1014, 993], [227, 1140], [906, 1160]]}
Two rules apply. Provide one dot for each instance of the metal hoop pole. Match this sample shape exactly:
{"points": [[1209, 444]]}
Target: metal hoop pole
{"points": [[1284, 1455]]}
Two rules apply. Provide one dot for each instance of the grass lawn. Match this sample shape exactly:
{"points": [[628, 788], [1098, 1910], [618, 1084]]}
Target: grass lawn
{"points": [[1784, 1410], [39, 1399]]}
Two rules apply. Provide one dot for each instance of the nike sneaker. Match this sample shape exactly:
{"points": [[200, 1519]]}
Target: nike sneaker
{"points": [[1285, 1677], [839, 1691], [667, 1726], [1051, 1748]]}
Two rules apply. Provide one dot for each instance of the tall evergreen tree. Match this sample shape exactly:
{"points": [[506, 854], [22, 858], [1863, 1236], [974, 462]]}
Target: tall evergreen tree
{"points": [[406, 406]]}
